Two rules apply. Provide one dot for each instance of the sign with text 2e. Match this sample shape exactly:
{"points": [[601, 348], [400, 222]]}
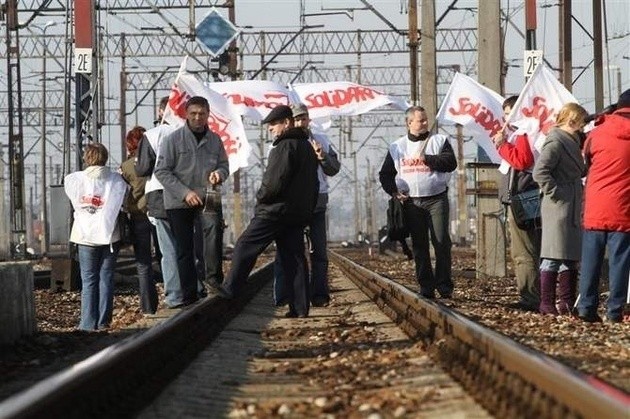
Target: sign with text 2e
{"points": [[83, 60], [531, 59]]}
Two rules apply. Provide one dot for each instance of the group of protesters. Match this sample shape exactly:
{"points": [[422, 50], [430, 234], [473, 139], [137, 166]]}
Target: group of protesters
{"points": [[170, 173], [584, 181], [164, 186]]}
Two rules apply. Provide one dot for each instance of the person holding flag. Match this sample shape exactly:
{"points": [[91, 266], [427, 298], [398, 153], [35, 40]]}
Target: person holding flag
{"points": [[524, 239]]}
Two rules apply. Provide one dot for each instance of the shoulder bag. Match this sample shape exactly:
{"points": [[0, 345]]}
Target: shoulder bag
{"points": [[525, 206]]}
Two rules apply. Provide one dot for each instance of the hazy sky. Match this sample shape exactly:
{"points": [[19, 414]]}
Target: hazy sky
{"points": [[284, 15]]}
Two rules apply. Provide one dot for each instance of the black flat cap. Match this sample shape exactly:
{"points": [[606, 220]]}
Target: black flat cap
{"points": [[277, 113]]}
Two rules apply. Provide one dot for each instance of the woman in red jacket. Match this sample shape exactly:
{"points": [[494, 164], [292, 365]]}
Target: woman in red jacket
{"points": [[606, 219]]}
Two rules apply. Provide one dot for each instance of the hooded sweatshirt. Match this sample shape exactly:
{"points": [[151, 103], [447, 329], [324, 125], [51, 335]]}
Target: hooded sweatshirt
{"points": [[607, 189]]}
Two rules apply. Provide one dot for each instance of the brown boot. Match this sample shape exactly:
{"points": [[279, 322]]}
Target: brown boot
{"points": [[567, 286], [548, 292]]}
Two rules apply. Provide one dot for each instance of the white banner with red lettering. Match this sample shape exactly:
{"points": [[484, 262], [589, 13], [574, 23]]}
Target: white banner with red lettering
{"points": [[476, 108], [538, 104], [253, 98], [223, 120], [342, 98]]}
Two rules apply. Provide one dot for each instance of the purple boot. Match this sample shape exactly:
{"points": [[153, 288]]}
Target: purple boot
{"points": [[548, 292], [567, 286]]}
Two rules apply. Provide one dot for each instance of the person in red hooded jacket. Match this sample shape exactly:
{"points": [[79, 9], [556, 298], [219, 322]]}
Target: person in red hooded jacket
{"points": [[524, 239], [606, 218]]}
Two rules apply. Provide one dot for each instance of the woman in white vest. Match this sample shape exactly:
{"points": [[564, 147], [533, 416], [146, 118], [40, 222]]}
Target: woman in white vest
{"points": [[97, 195], [416, 171]]}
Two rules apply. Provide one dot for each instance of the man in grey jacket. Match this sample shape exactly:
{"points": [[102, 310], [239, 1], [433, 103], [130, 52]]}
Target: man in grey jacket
{"points": [[190, 159]]}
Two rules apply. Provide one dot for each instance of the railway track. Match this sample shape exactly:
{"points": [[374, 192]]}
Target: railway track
{"points": [[347, 360], [510, 379]]}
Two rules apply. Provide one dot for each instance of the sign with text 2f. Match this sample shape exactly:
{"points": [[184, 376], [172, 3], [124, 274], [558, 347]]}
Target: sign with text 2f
{"points": [[531, 59]]}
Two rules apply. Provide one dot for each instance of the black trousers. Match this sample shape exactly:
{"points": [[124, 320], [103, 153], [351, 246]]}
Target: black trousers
{"points": [[289, 239], [142, 250], [183, 226], [428, 218]]}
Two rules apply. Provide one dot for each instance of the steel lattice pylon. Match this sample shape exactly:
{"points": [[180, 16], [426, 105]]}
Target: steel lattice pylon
{"points": [[250, 43], [391, 79]]}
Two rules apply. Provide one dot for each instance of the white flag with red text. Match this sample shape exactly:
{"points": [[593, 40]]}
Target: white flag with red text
{"points": [[223, 119], [253, 98], [342, 98], [538, 104], [476, 108]]}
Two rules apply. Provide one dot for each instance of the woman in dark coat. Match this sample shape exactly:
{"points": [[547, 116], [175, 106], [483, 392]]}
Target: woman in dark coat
{"points": [[136, 205], [559, 172]]}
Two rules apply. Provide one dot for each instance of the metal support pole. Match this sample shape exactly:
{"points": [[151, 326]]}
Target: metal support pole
{"points": [[238, 204], [413, 49], [566, 53], [428, 61], [530, 24], [16, 139], [598, 55], [462, 208], [44, 199], [123, 101]]}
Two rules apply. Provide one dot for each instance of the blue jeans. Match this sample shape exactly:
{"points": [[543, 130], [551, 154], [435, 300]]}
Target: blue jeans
{"points": [[142, 250], [594, 244], [170, 276], [97, 265], [557, 265]]}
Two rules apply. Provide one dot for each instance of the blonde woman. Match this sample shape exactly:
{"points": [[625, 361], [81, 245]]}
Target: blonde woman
{"points": [[558, 171]]}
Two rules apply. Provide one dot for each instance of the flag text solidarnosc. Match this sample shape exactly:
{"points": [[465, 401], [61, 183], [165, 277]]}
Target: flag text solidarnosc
{"points": [[542, 113], [481, 115], [340, 97], [271, 100]]}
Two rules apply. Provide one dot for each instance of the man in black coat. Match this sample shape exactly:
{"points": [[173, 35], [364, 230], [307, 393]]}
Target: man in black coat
{"points": [[285, 204]]}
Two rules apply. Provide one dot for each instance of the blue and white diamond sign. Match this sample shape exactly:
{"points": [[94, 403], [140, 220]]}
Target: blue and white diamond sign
{"points": [[214, 33]]}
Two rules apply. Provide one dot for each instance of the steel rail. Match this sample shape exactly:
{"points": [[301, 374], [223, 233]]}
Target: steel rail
{"points": [[523, 382], [108, 383]]}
